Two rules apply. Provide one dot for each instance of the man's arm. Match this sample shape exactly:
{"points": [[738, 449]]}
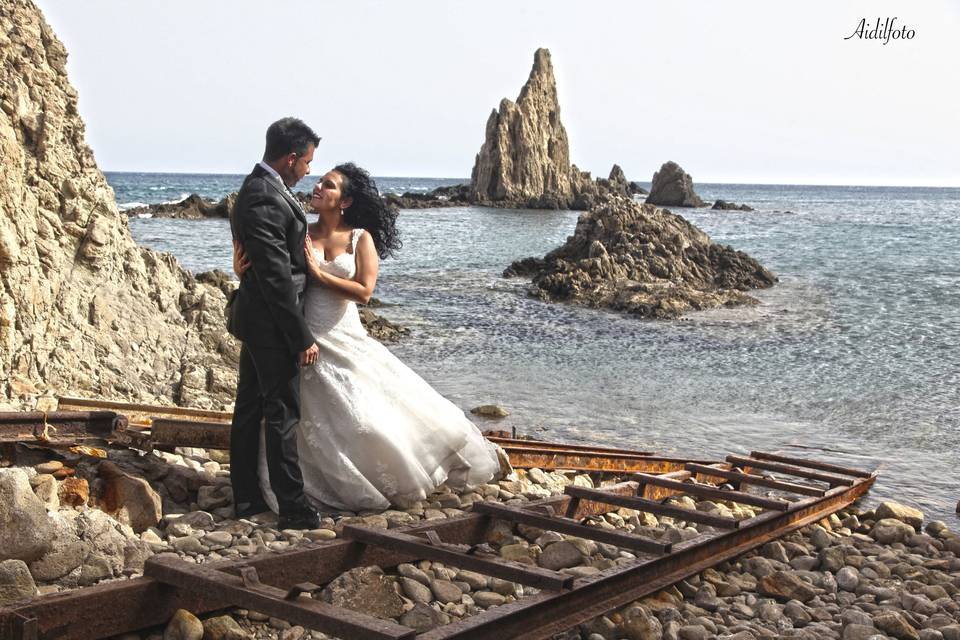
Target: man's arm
{"points": [[265, 245]]}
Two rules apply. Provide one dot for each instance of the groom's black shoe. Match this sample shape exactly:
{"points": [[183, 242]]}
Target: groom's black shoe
{"points": [[250, 509], [308, 520]]}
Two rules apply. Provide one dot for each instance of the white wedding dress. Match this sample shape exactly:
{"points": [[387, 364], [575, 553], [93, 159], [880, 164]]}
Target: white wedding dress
{"points": [[372, 432]]}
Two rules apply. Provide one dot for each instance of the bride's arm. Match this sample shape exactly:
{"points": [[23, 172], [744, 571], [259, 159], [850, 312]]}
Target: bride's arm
{"points": [[360, 288]]}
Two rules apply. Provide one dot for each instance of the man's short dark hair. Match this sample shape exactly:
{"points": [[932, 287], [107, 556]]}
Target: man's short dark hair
{"points": [[289, 135]]}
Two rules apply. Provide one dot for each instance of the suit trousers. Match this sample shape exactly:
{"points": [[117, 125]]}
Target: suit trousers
{"points": [[268, 393]]}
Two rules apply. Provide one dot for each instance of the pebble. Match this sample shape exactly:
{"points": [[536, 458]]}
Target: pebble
{"points": [[51, 466]]}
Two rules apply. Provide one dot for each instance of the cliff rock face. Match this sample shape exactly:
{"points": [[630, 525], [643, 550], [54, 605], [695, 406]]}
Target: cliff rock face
{"points": [[673, 187], [83, 309], [644, 260], [525, 158]]}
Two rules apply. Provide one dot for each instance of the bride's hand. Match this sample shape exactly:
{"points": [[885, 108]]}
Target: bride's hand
{"points": [[240, 261], [313, 267]]}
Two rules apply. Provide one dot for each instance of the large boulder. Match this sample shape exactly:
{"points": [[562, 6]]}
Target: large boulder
{"points": [[525, 157], [65, 555], [644, 260], [673, 187], [84, 310], [26, 532]]}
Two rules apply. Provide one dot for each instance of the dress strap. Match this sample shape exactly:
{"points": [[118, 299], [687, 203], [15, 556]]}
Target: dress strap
{"points": [[355, 238]]}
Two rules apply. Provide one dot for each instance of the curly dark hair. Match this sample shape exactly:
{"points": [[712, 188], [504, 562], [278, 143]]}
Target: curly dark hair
{"points": [[368, 210]]}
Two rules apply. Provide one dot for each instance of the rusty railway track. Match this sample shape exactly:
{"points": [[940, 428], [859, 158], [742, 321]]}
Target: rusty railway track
{"points": [[280, 584], [147, 427]]}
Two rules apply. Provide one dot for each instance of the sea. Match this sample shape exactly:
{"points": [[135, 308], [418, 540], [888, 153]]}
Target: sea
{"points": [[853, 357]]}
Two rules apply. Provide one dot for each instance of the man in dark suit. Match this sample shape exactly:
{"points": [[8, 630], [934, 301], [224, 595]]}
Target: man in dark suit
{"points": [[268, 319]]}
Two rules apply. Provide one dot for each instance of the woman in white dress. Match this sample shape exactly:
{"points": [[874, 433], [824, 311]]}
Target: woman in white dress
{"points": [[372, 432]]}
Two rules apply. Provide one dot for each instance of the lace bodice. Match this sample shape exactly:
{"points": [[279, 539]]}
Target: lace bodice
{"points": [[327, 310]]}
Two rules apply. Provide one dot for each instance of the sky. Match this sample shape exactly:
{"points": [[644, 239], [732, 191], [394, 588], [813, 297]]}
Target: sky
{"points": [[739, 91]]}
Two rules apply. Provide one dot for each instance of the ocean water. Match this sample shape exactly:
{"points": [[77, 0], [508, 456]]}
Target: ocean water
{"points": [[854, 356]]}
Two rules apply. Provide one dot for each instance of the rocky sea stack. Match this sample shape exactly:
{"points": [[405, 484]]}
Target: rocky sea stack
{"points": [[644, 260], [525, 158], [673, 187], [524, 162]]}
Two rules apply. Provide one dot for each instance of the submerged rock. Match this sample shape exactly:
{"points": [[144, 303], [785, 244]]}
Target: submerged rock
{"points": [[673, 187], [644, 260], [379, 328], [490, 411], [457, 195]]}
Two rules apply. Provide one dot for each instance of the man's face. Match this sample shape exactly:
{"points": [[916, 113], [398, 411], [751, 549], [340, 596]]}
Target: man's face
{"points": [[298, 166]]}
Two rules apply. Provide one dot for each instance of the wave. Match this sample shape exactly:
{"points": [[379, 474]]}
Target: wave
{"points": [[124, 206], [183, 196]]}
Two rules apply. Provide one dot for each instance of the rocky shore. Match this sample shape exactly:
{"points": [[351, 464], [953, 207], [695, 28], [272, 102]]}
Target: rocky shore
{"points": [[860, 574], [644, 260]]}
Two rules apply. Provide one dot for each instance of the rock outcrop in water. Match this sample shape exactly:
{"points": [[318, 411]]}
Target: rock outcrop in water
{"points": [[525, 157], [524, 162], [723, 205], [83, 309], [644, 260], [193, 207], [673, 187]]}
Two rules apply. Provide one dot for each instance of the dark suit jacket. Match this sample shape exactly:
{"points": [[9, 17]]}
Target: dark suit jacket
{"points": [[271, 226]]}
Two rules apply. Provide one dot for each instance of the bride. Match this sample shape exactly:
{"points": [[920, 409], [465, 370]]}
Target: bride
{"points": [[372, 432]]}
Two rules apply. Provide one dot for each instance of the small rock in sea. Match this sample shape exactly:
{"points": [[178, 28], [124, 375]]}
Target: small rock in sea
{"points": [[723, 205], [901, 512], [490, 411]]}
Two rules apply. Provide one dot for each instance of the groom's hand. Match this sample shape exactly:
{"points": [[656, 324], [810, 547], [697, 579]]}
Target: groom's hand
{"points": [[309, 356]]}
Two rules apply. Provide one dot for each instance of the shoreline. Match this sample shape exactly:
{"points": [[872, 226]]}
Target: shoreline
{"points": [[854, 574]]}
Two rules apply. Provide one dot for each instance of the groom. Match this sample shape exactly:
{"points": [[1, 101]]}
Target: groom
{"points": [[268, 319]]}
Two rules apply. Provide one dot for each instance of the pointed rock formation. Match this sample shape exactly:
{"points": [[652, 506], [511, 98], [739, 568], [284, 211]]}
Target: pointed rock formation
{"points": [[644, 260], [525, 158], [83, 309], [673, 187]]}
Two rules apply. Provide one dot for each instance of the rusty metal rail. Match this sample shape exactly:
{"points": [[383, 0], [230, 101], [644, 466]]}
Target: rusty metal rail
{"points": [[279, 584], [57, 427], [147, 426]]}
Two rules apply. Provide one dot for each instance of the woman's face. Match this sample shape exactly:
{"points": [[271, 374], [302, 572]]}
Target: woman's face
{"points": [[326, 194]]}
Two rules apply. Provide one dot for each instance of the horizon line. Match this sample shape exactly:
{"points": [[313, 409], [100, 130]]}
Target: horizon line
{"points": [[703, 182]]}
